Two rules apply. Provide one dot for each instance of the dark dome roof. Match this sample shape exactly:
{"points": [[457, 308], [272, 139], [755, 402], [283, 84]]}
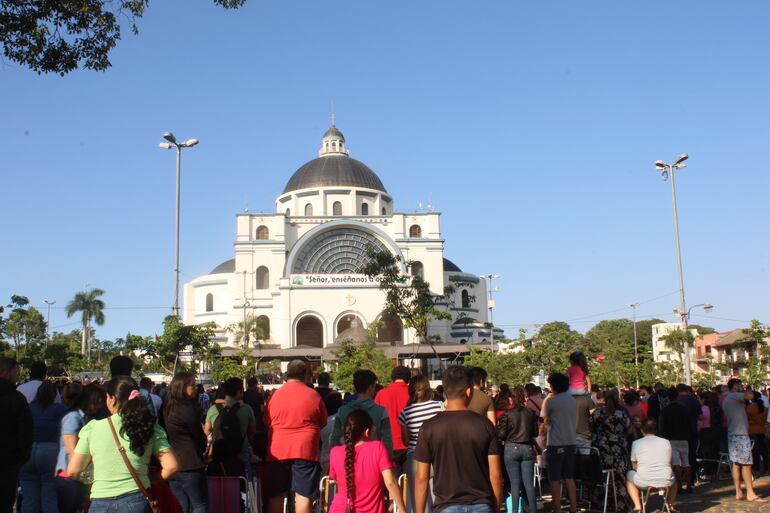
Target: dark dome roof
{"points": [[334, 170], [228, 266], [450, 267]]}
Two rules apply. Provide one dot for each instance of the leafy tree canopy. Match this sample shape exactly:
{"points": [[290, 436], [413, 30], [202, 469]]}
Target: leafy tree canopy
{"points": [[352, 356], [58, 36], [163, 351]]}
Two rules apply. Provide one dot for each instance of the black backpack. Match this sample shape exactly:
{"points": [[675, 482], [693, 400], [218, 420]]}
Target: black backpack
{"points": [[228, 440]]}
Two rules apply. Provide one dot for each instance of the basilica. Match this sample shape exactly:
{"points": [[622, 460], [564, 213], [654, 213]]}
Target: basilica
{"points": [[297, 272]]}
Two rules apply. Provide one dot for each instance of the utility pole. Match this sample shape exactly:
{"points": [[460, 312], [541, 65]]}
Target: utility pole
{"points": [[491, 306]]}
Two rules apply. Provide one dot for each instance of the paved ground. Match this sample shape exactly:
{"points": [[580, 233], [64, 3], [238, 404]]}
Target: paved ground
{"points": [[712, 497]]}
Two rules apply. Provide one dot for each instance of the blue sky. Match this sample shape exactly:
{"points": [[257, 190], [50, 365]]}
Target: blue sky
{"points": [[532, 126]]}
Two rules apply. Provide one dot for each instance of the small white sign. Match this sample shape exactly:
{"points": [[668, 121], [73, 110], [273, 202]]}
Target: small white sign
{"points": [[334, 280], [186, 356]]}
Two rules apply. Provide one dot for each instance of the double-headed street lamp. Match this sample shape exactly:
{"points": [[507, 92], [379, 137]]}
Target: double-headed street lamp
{"points": [[172, 143], [668, 171], [636, 351]]}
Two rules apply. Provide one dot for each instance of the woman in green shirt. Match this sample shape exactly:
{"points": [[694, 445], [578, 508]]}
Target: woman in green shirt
{"points": [[114, 489]]}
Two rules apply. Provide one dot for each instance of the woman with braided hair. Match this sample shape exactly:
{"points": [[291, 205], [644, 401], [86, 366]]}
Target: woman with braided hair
{"points": [[363, 470]]}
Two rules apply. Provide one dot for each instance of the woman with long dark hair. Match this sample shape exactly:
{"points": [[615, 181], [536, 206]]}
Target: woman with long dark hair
{"points": [[610, 424], [579, 380], [517, 428], [185, 434], [37, 475], [132, 423], [72, 493], [362, 469]]}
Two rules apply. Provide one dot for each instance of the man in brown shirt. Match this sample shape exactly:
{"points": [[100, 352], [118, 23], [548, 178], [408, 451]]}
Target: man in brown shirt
{"points": [[480, 401]]}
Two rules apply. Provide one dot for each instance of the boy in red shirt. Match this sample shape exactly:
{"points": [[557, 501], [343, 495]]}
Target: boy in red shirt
{"points": [[393, 398]]}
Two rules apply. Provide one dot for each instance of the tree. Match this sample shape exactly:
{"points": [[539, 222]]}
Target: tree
{"points": [[676, 341], [58, 36], [241, 365], [352, 356], [756, 373], [611, 343], [91, 308], [25, 325], [551, 346], [407, 297], [164, 350], [255, 329], [758, 333], [511, 368]]}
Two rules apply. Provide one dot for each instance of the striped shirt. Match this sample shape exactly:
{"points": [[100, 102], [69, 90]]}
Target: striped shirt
{"points": [[413, 415]]}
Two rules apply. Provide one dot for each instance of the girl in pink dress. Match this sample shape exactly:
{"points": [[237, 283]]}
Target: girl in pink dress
{"points": [[363, 470], [579, 381]]}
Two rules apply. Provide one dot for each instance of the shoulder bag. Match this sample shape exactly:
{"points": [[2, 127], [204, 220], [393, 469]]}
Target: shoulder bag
{"points": [[154, 506]]}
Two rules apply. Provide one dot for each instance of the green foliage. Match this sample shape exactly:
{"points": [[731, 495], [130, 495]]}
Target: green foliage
{"points": [[176, 337], [758, 333], [241, 365], [703, 379], [58, 36], [250, 329], [24, 326], [407, 297], [91, 308], [702, 330], [352, 357], [756, 373], [677, 339], [510, 368], [669, 373]]}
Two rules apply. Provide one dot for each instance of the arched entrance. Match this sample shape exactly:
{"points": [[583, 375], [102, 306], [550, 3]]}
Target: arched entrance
{"points": [[344, 323], [310, 332], [391, 330]]}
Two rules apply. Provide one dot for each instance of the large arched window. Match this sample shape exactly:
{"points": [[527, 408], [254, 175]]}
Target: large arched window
{"points": [[263, 233], [309, 210], [209, 302], [384, 211], [337, 208], [417, 269], [310, 332], [263, 277], [263, 326], [466, 298], [415, 231], [364, 209]]}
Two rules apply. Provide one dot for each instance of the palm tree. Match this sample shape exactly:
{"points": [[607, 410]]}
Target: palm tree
{"points": [[254, 328], [90, 307]]}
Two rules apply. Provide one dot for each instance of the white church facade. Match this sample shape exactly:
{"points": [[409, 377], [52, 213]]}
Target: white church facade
{"points": [[297, 271]]}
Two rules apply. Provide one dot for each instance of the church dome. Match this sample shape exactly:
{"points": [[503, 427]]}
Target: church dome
{"points": [[334, 168]]}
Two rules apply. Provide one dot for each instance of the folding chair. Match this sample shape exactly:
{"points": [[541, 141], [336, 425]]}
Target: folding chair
{"points": [[724, 459], [609, 480], [403, 483], [650, 490], [328, 488], [225, 495]]}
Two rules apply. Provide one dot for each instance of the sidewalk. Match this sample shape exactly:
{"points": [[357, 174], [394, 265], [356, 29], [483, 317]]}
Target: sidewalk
{"points": [[719, 497]]}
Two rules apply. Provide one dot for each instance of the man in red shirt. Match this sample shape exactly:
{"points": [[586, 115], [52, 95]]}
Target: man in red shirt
{"points": [[294, 417], [393, 398]]}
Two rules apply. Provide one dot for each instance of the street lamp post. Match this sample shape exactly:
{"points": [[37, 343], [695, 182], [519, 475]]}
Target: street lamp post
{"points": [[491, 306], [48, 302], [668, 170], [172, 143], [636, 351]]}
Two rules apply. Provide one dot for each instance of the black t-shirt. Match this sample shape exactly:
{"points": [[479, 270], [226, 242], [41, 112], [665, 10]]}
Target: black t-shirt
{"points": [[675, 422], [458, 444]]}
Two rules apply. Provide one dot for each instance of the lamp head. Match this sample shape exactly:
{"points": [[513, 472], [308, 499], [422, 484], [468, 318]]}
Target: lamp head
{"points": [[681, 158], [190, 143], [169, 137], [708, 308], [165, 146], [660, 165]]}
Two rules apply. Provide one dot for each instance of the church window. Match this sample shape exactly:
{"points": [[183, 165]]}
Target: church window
{"points": [[415, 231], [263, 278], [209, 302], [417, 269], [466, 298], [364, 209], [384, 212], [288, 212], [263, 325], [309, 210], [263, 233], [337, 208]]}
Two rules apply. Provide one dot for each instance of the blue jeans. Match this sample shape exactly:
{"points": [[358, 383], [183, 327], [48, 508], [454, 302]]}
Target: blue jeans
{"points": [[129, 503], [190, 488], [520, 464], [467, 508], [38, 482], [410, 469]]}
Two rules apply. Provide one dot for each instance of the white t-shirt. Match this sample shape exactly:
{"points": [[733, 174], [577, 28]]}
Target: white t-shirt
{"points": [[652, 455], [29, 390]]}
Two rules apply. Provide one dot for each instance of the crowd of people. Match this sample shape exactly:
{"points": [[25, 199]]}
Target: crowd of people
{"points": [[464, 447]]}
